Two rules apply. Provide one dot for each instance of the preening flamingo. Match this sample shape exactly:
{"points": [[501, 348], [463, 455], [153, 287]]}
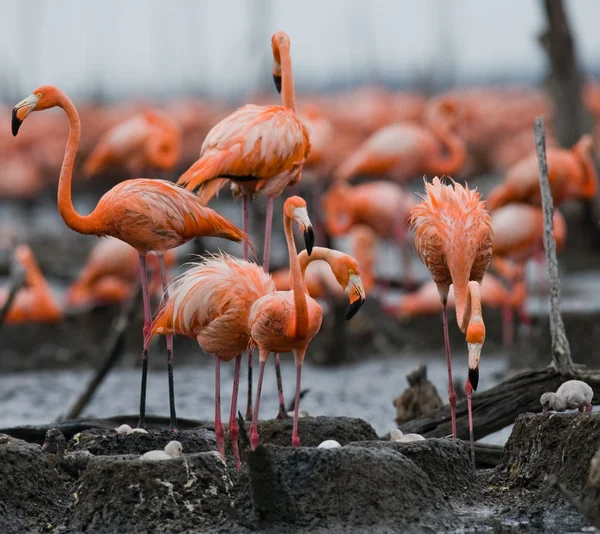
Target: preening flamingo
{"points": [[453, 238], [403, 150], [260, 149], [150, 139], [150, 215], [35, 302], [571, 173], [288, 320]]}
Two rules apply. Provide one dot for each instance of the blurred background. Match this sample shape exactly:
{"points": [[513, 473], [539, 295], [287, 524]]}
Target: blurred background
{"points": [[464, 78]]}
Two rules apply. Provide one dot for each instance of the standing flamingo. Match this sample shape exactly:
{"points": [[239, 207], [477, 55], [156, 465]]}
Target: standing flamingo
{"points": [[260, 149], [288, 320], [211, 302], [150, 215], [453, 237]]}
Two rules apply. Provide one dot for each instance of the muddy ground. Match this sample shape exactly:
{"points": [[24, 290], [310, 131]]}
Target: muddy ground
{"points": [[367, 485]]}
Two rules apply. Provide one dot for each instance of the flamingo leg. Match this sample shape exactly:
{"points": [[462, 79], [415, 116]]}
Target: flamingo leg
{"points": [[245, 227], [233, 426], [451, 392], [253, 425], [173, 416], [282, 413], [218, 424], [146, 329], [588, 407], [268, 227], [468, 390], [295, 437]]}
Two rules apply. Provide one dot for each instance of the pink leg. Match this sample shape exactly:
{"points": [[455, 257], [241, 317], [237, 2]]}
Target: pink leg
{"points": [[249, 406], [282, 413], [469, 390], [295, 437], [268, 227], [451, 392], [245, 245], [588, 407], [173, 417], [245, 222], [581, 409], [147, 323], [253, 425], [233, 426], [220, 433], [507, 325]]}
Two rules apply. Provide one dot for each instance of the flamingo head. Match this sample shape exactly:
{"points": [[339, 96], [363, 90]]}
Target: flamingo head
{"points": [[475, 338], [347, 273], [279, 41], [42, 98], [295, 209]]}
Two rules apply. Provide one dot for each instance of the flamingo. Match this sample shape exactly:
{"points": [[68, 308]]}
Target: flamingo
{"points": [[211, 302], [288, 320], [571, 394], [403, 150], [571, 173], [150, 215], [260, 149], [111, 273], [453, 238], [381, 205], [35, 302], [150, 139]]}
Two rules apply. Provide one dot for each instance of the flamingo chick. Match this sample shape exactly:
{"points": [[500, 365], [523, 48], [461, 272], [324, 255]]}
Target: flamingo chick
{"points": [[172, 450], [397, 435], [329, 444], [150, 215], [570, 395], [453, 238]]}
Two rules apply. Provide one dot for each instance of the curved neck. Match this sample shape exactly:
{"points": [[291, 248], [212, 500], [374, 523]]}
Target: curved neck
{"points": [[457, 152], [288, 96], [468, 305], [296, 281], [83, 225], [318, 253], [589, 188]]}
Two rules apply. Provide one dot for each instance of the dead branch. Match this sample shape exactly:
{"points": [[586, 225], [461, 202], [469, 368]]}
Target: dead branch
{"points": [[561, 352]]}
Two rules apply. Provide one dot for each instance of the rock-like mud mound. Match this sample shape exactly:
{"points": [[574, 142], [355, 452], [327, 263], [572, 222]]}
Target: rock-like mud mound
{"points": [[445, 461], [109, 442], [591, 499], [125, 494], [349, 489], [561, 444], [314, 430], [33, 493]]}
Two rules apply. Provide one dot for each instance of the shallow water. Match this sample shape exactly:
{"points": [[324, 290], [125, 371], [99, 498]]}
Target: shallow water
{"points": [[365, 389]]}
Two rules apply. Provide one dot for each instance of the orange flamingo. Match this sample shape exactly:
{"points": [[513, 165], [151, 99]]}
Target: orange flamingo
{"points": [[150, 139], [404, 150], [453, 237], [288, 320], [571, 173], [211, 302], [149, 215], [383, 206], [260, 149], [111, 273], [35, 302]]}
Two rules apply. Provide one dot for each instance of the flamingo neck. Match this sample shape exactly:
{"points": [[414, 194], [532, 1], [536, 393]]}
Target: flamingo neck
{"points": [[318, 253], [296, 281], [288, 96], [468, 305], [457, 153], [81, 224]]}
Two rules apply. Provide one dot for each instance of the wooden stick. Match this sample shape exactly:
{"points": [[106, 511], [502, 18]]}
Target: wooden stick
{"points": [[561, 351], [16, 283], [115, 345]]}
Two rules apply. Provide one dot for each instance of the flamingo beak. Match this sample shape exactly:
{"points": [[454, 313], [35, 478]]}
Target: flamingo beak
{"points": [[45, 445], [303, 220], [356, 294], [277, 74], [474, 357], [21, 111]]}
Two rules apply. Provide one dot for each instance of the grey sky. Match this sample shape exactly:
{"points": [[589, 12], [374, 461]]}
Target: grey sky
{"points": [[222, 47]]}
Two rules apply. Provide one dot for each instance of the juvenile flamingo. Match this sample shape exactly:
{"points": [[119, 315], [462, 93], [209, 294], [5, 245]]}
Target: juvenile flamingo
{"points": [[260, 149], [211, 302], [150, 215], [288, 320], [453, 238]]}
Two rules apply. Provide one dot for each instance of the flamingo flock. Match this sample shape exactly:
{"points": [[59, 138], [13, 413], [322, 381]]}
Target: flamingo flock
{"points": [[360, 154]]}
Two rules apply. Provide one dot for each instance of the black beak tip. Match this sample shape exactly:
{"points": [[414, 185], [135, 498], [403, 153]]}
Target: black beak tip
{"points": [[16, 123], [309, 239], [474, 378], [354, 307], [277, 80]]}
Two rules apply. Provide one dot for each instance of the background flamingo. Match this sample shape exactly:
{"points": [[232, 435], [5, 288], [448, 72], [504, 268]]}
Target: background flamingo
{"points": [[150, 215]]}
